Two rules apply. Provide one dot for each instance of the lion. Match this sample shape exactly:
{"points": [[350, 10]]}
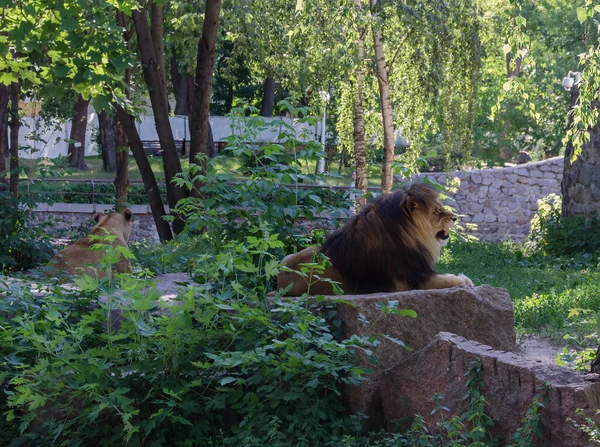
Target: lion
{"points": [[110, 229], [391, 245]]}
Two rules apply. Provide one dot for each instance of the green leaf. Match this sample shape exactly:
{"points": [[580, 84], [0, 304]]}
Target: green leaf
{"points": [[227, 380], [581, 14], [315, 198], [8, 77]]}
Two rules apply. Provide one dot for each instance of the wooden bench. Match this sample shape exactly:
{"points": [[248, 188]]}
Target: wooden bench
{"points": [[152, 147]]}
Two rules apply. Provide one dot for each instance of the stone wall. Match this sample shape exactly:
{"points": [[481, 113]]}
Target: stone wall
{"points": [[502, 201], [73, 220]]}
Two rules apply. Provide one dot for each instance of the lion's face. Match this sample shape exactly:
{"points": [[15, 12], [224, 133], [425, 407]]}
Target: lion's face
{"points": [[431, 220]]}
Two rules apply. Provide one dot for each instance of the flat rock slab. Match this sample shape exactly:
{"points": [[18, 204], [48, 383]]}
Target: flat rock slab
{"points": [[483, 313], [167, 285], [510, 383]]}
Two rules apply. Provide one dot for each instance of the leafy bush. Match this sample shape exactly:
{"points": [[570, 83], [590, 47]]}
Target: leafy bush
{"points": [[558, 235], [273, 192], [217, 366], [22, 245]]}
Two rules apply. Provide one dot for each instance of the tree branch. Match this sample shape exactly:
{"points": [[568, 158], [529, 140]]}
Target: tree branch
{"points": [[391, 64]]}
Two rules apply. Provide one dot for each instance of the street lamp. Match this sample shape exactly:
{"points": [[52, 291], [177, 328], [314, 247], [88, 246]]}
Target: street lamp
{"points": [[325, 98], [573, 78]]}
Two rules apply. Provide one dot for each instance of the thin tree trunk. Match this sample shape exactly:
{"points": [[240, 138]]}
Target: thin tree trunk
{"points": [[157, 90], [268, 102], [76, 151], [157, 34], [360, 152], [506, 150], [108, 141], [137, 147], [229, 99], [15, 124], [180, 89], [122, 174], [387, 174], [205, 62], [4, 94]]}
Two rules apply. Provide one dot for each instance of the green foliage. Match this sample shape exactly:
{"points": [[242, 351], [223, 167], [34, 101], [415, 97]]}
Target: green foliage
{"points": [[204, 369], [589, 426], [81, 192], [558, 235], [272, 193], [22, 243]]}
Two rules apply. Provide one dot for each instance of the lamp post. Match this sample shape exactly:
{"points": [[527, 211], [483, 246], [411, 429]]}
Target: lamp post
{"points": [[325, 98]]}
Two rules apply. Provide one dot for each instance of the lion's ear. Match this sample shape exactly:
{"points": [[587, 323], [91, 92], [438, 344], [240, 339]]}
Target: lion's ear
{"points": [[128, 214], [411, 203], [97, 216]]}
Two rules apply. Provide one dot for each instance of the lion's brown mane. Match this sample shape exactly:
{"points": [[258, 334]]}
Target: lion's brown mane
{"points": [[380, 246]]}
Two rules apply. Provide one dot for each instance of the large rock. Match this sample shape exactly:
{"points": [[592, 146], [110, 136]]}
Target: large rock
{"points": [[510, 382], [481, 313]]}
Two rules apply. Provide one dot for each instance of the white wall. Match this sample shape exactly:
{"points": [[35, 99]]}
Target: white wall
{"points": [[52, 143]]}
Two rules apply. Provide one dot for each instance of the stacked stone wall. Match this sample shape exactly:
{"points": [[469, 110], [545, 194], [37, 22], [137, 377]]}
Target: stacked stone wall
{"points": [[72, 221], [500, 202]]}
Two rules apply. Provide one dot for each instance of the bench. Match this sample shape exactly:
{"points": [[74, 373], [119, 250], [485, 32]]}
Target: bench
{"points": [[152, 147]]}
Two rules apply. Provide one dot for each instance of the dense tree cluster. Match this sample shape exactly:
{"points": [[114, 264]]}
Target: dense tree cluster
{"points": [[466, 82]]}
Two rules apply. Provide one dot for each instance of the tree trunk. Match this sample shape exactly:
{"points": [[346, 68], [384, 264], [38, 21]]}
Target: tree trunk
{"points": [[360, 152], [581, 178], [268, 102], [157, 90], [506, 150], [76, 151], [387, 174], [122, 174], [137, 147], [157, 34], [122, 156], [180, 89], [15, 124], [205, 62], [4, 94], [229, 99], [108, 141]]}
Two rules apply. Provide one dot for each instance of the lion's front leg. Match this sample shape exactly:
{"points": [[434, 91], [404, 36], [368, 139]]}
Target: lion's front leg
{"points": [[438, 281]]}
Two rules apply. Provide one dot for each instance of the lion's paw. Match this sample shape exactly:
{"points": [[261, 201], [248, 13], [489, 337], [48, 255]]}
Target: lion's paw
{"points": [[466, 281]]}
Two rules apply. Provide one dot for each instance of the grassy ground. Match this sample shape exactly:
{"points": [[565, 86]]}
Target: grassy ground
{"points": [[552, 296]]}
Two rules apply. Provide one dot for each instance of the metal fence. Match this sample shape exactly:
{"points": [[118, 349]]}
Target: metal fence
{"points": [[94, 194]]}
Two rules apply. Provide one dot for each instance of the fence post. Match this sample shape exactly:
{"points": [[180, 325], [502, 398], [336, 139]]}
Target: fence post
{"points": [[93, 191]]}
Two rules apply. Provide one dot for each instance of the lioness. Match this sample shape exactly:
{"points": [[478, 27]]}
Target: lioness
{"points": [[392, 244], [79, 258]]}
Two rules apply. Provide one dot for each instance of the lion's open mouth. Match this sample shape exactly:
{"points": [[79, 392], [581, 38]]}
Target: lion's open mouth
{"points": [[442, 234]]}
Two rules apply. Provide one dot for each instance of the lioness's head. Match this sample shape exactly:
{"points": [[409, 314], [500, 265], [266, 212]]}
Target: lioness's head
{"points": [[431, 220], [116, 223]]}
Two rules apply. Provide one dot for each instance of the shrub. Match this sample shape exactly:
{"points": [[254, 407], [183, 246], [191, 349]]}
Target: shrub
{"points": [[22, 245], [558, 235], [273, 192], [217, 366]]}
